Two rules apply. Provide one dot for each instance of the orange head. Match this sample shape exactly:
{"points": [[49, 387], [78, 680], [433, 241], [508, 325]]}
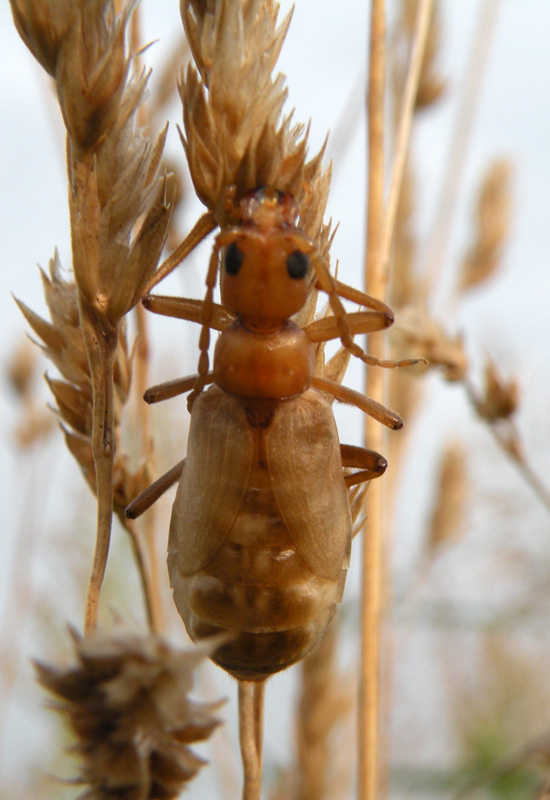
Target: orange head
{"points": [[265, 269]]}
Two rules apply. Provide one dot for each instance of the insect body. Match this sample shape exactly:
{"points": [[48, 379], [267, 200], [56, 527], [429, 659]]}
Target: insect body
{"points": [[261, 527], [261, 530]]}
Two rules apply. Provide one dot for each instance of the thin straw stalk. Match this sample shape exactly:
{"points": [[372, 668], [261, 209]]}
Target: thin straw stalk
{"points": [[375, 281], [422, 27], [380, 228], [101, 343], [251, 705], [458, 147]]}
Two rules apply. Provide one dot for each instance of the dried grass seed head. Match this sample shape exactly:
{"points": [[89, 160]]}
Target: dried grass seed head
{"points": [[232, 106], [126, 700], [492, 222], [119, 210], [416, 333], [500, 397], [42, 24], [91, 70], [120, 213], [63, 344], [448, 514]]}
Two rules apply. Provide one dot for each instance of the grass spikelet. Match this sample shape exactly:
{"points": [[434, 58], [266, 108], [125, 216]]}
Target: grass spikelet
{"points": [[118, 210], [416, 332], [447, 518], [492, 220], [234, 133], [431, 86], [63, 344], [500, 397], [42, 24], [126, 700], [35, 423]]}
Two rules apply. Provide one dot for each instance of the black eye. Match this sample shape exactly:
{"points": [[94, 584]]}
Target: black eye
{"points": [[233, 259], [297, 264]]}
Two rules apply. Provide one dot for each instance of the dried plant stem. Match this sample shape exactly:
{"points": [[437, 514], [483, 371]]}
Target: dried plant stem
{"points": [[518, 459], [423, 17], [510, 444], [251, 704], [150, 578], [101, 343], [460, 139], [373, 580]]}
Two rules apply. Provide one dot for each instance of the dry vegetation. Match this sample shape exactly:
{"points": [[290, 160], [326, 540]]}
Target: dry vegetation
{"points": [[454, 691]]}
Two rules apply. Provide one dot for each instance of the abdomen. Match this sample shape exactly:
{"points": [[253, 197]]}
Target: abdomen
{"points": [[258, 587]]}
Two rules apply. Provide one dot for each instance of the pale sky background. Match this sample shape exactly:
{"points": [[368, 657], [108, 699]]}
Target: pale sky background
{"points": [[324, 59]]}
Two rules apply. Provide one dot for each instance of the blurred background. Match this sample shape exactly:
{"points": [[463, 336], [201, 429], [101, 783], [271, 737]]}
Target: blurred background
{"points": [[467, 695]]}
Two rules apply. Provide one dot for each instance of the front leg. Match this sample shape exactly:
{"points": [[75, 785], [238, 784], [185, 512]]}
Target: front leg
{"points": [[189, 309]]}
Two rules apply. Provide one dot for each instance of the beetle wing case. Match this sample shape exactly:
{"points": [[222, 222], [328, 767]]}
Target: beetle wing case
{"points": [[304, 463], [214, 480]]}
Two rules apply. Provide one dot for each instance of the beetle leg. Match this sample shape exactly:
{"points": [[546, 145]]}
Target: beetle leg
{"points": [[206, 317], [376, 410], [370, 464], [333, 288], [145, 500], [322, 330], [164, 391], [203, 226], [360, 298], [189, 309]]}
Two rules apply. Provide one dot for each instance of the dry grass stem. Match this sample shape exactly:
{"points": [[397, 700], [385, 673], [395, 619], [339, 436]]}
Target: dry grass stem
{"points": [[431, 86], [126, 699], [325, 702], [421, 30], [458, 146], [251, 698], [497, 406], [372, 567]]}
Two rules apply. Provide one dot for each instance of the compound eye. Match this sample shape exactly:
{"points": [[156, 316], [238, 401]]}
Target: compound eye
{"points": [[233, 259], [297, 264]]}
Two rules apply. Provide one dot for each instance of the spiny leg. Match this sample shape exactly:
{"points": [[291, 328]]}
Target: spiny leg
{"points": [[206, 316], [173, 388], [371, 464], [322, 330], [327, 283], [188, 309], [376, 410], [204, 225], [145, 500], [360, 298]]}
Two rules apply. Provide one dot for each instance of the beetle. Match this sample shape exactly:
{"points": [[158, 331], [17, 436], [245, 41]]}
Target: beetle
{"points": [[261, 526]]}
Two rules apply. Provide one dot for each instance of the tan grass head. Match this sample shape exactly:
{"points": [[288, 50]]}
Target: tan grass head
{"points": [[236, 138], [125, 697]]}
